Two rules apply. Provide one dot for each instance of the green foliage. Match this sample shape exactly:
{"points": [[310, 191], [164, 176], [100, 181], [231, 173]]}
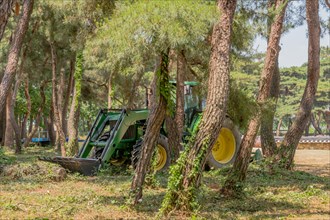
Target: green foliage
{"points": [[127, 45], [292, 85], [241, 105]]}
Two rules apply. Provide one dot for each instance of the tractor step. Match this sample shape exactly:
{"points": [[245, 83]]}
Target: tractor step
{"points": [[88, 167]]}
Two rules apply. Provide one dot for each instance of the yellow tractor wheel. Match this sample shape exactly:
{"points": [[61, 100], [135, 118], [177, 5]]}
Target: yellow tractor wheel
{"points": [[225, 148], [163, 158]]}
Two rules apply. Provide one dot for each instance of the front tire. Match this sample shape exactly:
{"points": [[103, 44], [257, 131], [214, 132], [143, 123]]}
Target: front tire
{"points": [[226, 147]]}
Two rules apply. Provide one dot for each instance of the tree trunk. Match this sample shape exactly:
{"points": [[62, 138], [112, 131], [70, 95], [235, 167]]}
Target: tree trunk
{"points": [[175, 123], [268, 144], [187, 174], [326, 115], [57, 118], [28, 107], [38, 116], [75, 107], [67, 97], [179, 112], [16, 128], [278, 129], [50, 128], [30, 124], [5, 9], [307, 128], [289, 145], [155, 120], [239, 170], [173, 137], [9, 131], [14, 52], [110, 92], [315, 124], [2, 127]]}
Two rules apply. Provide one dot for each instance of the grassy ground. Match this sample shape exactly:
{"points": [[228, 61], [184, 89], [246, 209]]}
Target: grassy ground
{"points": [[29, 190]]}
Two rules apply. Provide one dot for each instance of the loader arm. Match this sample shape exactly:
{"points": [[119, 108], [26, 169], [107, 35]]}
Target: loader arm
{"points": [[89, 166]]}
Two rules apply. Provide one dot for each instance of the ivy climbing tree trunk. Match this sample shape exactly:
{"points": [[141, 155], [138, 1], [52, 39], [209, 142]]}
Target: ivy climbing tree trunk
{"points": [[73, 121], [14, 52], [5, 9], [289, 145], [185, 178], [239, 170], [155, 120]]}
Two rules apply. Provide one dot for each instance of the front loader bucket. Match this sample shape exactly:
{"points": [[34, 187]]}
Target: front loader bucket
{"points": [[88, 167]]}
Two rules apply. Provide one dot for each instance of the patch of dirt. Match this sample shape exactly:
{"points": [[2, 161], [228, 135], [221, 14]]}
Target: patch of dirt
{"points": [[315, 162]]}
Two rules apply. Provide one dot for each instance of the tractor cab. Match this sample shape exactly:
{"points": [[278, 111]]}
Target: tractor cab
{"points": [[192, 103]]}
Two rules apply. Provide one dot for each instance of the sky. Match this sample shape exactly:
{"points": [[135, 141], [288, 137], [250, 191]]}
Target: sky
{"points": [[294, 45]]}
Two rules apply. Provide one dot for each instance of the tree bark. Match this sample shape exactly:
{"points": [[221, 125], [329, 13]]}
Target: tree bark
{"points": [[14, 52], [307, 128], [67, 95], [2, 127], [60, 88], [155, 120], [326, 115], [5, 9], [315, 124], [175, 122], [173, 137], [239, 169], [73, 122], [292, 137], [268, 144], [179, 112], [289, 145], [183, 193], [57, 118], [9, 131], [28, 107], [16, 128], [50, 128], [110, 92]]}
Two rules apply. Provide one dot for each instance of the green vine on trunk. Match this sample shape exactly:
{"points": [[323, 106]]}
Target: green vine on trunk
{"points": [[164, 87], [176, 197], [150, 179]]}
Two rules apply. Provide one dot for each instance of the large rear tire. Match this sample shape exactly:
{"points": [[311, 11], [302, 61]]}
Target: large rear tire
{"points": [[163, 158], [226, 147]]}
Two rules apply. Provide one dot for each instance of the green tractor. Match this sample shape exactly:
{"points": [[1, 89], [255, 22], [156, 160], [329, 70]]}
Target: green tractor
{"points": [[116, 136]]}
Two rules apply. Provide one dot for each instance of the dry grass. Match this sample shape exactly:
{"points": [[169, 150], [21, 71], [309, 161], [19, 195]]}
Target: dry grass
{"points": [[28, 190]]}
